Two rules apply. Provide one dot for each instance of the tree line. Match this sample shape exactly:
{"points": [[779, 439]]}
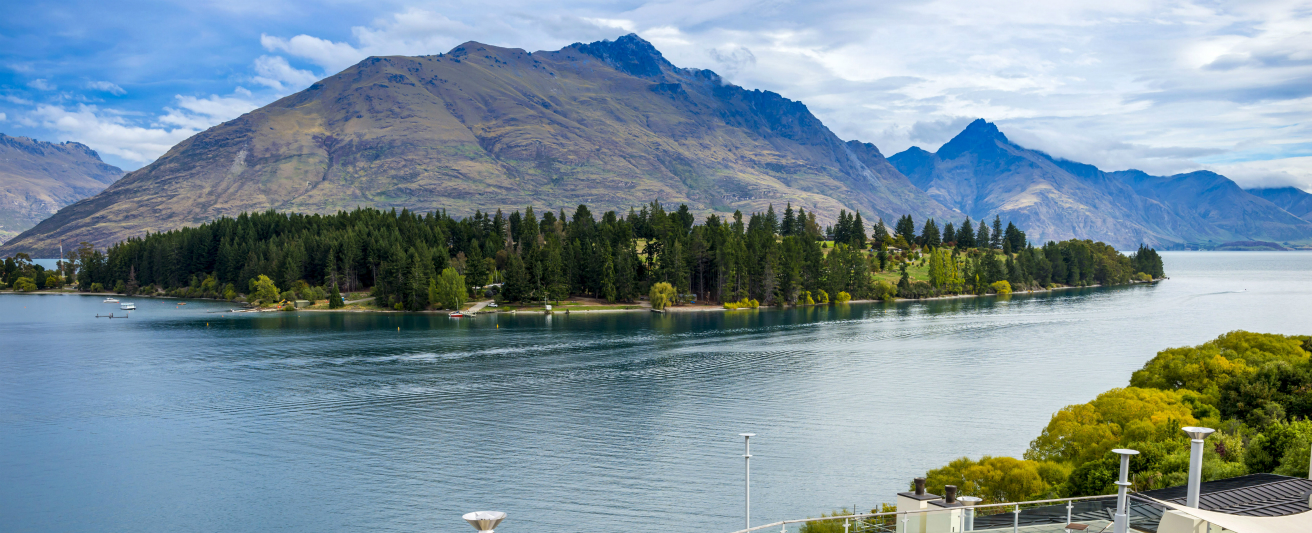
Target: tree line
{"points": [[404, 257]]}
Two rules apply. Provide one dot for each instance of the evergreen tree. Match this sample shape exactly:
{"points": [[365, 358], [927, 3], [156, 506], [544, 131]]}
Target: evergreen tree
{"points": [[880, 231], [966, 235], [790, 221], [858, 237], [929, 236], [995, 242], [982, 237], [906, 229]]}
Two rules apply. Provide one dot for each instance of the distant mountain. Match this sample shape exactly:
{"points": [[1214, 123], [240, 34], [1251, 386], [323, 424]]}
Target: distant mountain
{"points": [[983, 174], [38, 178], [612, 124], [1221, 203], [1293, 200]]}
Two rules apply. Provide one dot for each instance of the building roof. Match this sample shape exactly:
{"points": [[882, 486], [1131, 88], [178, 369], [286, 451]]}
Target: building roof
{"points": [[1251, 495]]}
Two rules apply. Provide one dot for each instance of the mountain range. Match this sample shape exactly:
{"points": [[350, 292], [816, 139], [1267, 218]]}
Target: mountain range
{"points": [[981, 173], [38, 178], [615, 125]]}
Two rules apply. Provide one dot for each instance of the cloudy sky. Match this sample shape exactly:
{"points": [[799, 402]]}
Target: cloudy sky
{"points": [[1161, 86]]}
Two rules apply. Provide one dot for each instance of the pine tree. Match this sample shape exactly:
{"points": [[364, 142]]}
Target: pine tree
{"points": [[982, 237], [858, 238], [929, 236], [790, 221], [966, 235], [995, 242], [335, 298]]}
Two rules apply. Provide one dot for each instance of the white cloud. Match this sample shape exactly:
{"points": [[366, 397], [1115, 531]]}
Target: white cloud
{"points": [[3, 117], [41, 85], [277, 74], [112, 132], [108, 87], [333, 57]]}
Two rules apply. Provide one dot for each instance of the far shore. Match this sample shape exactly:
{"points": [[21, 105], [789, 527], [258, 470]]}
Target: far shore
{"points": [[588, 305]]}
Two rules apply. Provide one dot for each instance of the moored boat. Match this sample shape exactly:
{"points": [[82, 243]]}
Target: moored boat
{"points": [[127, 306], [110, 301], [456, 314]]}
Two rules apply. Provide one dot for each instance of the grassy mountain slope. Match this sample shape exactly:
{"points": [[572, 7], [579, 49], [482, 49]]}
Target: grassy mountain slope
{"points": [[611, 124], [38, 178]]}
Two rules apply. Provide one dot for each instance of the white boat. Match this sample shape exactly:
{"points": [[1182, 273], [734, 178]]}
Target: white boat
{"points": [[127, 306], [110, 301]]}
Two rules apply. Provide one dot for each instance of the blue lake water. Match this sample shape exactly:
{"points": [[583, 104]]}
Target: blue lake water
{"points": [[183, 418]]}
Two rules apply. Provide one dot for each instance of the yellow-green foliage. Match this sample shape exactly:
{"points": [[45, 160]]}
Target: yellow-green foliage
{"points": [[24, 285], [1084, 432], [448, 290], [1001, 287], [884, 290], [263, 290], [843, 297], [742, 304], [998, 479], [1207, 367], [662, 295], [808, 300], [822, 297]]}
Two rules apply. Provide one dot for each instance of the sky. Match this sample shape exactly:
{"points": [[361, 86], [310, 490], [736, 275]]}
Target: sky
{"points": [[1164, 87]]}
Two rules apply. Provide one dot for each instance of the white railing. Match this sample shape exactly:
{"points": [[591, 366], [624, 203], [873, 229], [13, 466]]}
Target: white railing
{"points": [[783, 524]]}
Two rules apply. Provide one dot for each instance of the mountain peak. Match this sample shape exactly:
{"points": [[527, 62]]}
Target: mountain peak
{"points": [[979, 135], [630, 54]]}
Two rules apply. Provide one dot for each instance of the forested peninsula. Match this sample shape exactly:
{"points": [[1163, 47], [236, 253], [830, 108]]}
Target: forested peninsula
{"points": [[411, 261]]}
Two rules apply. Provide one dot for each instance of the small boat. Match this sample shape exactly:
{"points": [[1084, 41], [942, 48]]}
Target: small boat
{"points": [[110, 301], [456, 314], [128, 306]]}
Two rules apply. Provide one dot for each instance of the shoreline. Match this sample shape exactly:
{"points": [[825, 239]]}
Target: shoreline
{"points": [[642, 307]]}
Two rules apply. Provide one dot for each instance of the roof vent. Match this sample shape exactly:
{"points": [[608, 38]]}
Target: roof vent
{"points": [[950, 493], [920, 486]]}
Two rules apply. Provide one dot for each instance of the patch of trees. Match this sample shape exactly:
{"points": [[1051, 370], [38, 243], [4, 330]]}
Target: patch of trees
{"points": [[1255, 388], [403, 258]]}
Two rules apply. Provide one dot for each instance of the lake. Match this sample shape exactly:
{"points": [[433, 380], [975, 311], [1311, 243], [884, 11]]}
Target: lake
{"points": [[185, 418]]}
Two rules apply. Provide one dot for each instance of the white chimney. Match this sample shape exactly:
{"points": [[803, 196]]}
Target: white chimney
{"points": [[484, 521], [1196, 461]]}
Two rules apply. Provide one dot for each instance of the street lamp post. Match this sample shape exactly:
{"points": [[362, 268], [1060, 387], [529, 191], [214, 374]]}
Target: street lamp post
{"points": [[747, 482]]}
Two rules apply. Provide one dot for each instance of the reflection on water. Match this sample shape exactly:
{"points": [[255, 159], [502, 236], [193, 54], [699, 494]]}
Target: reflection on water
{"points": [[188, 418]]}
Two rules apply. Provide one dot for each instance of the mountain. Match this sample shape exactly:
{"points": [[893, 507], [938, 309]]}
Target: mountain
{"points": [[982, 173], [1293, 200], [611, 124], [38, 178], [1223, 204]]}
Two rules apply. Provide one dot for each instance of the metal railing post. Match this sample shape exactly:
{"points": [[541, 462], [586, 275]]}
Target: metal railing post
{"points": [[747, 480], [1015, 520]]}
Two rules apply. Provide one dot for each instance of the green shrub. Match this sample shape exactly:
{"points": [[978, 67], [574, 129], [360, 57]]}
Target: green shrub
{"points": [[884, 290], [843, 297], [1001, 287], [24, 285], [662, 295], [742, 304], [822, 297], [97, 287]]}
